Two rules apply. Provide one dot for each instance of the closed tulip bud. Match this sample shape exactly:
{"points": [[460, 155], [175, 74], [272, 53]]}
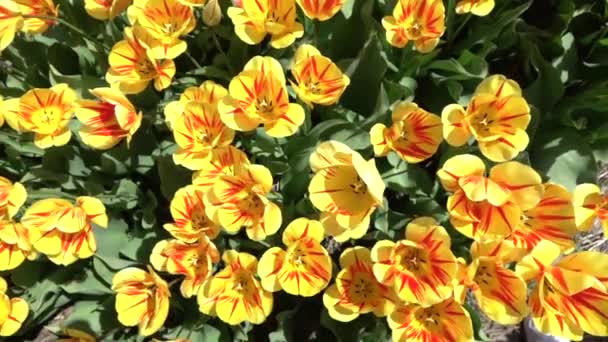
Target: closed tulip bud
{"points": [[212, 13]]}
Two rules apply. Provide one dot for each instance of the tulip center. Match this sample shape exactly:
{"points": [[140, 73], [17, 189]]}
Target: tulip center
{"points": [[264, 107], [429, 317], [411, 258], [199, 219], [483, 121], [296, 255], [253, 206], [484, 274], [169, 28], [144, 67], [414, 31], [47, 118], [314, 87], [358, 186], [242, 282], [363, 288]]}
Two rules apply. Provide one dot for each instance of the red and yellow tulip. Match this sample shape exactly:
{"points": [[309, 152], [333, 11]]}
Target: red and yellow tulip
{"points": [[234, 294], [13, 311], [224, 161], [589, 204], [105, 9], [142, 299], [208, 92], [497, 117], [63, 231], [304, 269], [254, 19], [11, 22], [356, 290], [321, 10], [107, 121], [44, 8], [570, 297], [12, 197], [15, 245], [419, 21], [193, 260], [421, 268], [445, 321], [197, 132], [188, 211], [240, 201], [165, 21], [476, 7], [415, 134], [258, 95], [500, 292], [317, 79], [133, 67], [345, 188]]}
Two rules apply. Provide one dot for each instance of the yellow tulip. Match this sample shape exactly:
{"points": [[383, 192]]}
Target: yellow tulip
{"points": [[197, 132], [589, 204], [570, 297], [194, 261], [190, 219], [133, 67], [234, 294], [304, 269], [105, 9], [345, 188], [142, 299], [240, 201], [415, 134], [475, 7], [44, 8], [12, 197], [15, 246], [419, 21], [497, 117], [321, 10], [13, 312], [10, 23], [258, 95], [63, 231], [421, 268], [445, 321], [164, 21], [317, 79], [223, 161], [107, 121], [47, 113], [254, 19], [356, 290], [208, 92]]}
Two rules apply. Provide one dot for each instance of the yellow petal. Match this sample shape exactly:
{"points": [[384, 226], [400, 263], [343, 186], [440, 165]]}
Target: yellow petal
{"points": [[457, 167], [269, 266], [303, 227], [18, 314]]}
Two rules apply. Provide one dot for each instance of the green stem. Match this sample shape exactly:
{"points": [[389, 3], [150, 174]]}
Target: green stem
{"points": [[71, 27], [196, 64], [221, 50], [460, 27]]}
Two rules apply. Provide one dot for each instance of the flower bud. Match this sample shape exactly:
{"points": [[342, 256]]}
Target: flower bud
{"points": [[212, 13]]}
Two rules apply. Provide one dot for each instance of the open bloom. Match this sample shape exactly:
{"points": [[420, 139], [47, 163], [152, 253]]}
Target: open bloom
{"points": [[240, 201], [415, 134], [13, 311], [197, 132], [497, 117], [15, 245], [551, 219], [488, 206], [234, 294], [304, 269], [589, 204], [223, 161], [208, 92], [133, 67], [346, 188], [445, 321], [475, 7], [107, 121], [421, 268], [194, 261], [12, 197], [356, 290], [47, 113], [317, 79], [44, 8], [142, 299], [321, 10], [63, 231], [188, 211], [258, 95], [105, 9], [254, 19], [10, 23], [570, 296], [500, 292], [419, 21], [165, 21]]}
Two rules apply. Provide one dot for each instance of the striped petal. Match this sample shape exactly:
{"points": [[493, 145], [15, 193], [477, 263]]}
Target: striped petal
{"points": [[19, 311], [320, 9], [464, 165], [301, 228], [223, 161], [588, 204]]}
